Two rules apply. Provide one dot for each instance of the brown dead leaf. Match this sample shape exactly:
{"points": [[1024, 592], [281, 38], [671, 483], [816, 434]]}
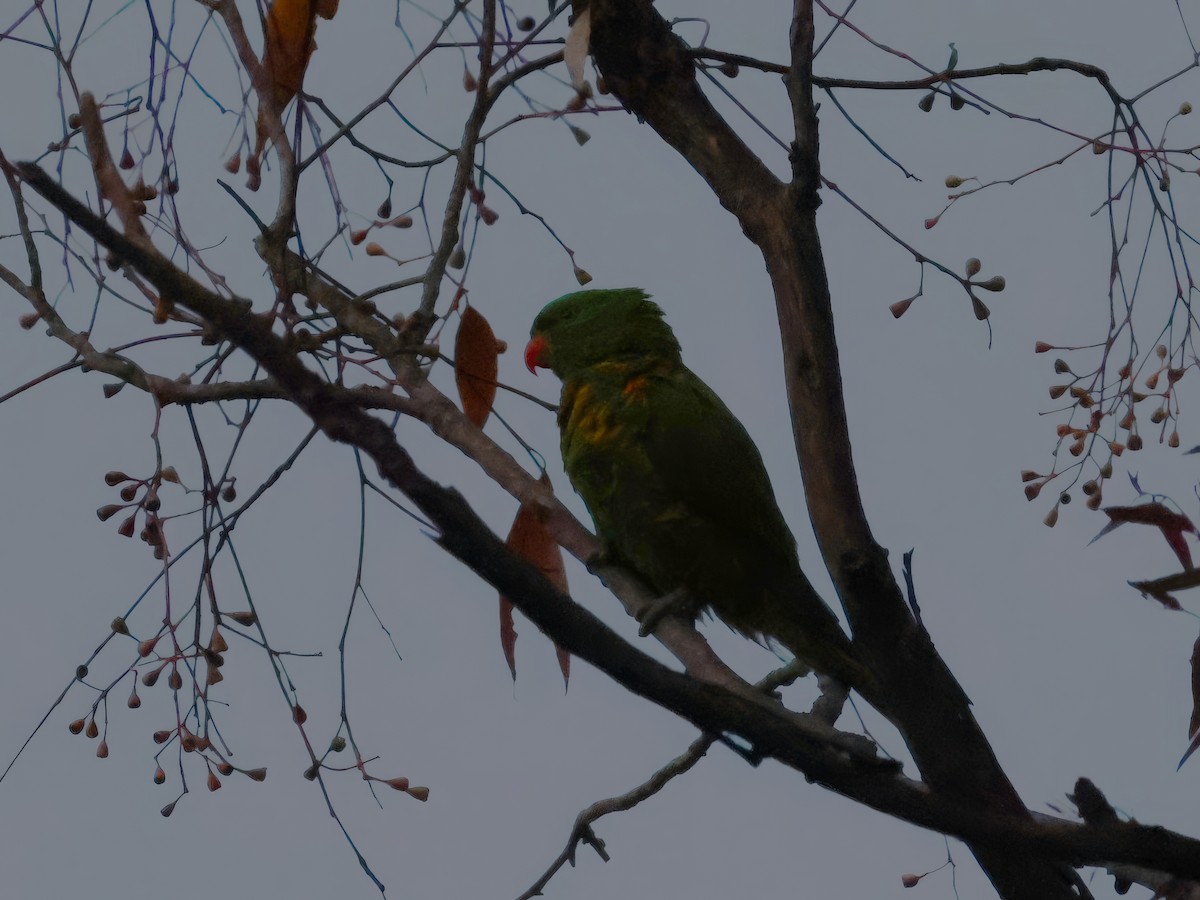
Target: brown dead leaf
{"points": [[476, 365], [1173, 525], [508, 634], [1160, 588], [288, 45], [564, 665], [529, 539]]}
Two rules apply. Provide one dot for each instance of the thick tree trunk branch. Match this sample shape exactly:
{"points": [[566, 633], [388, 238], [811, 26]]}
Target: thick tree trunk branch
{"points": [[653, 74], [646, 65], [927, 703]]}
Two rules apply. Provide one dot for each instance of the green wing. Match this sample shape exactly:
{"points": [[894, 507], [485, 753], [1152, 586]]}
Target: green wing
{"points": [[677, 489], [679, 492], [706, 458]]}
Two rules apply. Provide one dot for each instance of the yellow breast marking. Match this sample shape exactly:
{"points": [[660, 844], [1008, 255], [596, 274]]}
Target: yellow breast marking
{"points": [[587, 419]]}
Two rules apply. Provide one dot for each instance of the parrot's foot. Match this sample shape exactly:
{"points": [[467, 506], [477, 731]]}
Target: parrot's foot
{"points": [[676, 602], [599, 560]]}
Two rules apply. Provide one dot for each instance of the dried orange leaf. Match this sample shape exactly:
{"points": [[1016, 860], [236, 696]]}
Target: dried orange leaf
{"points": [[530, 540], [288, 45], [1160, 588], [564, 665], [291, 26], [476, 367], [508, 635], [1170, 523]]}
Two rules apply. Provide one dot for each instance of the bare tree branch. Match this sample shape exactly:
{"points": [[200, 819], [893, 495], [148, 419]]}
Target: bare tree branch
{"points": [[773, 732]]}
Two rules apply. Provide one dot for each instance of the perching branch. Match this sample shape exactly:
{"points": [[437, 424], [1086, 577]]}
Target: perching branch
{"points": [[837, 761], [581, 831]]}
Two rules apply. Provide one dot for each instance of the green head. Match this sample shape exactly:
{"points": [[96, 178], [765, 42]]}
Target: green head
{"points": [[580, 330]]}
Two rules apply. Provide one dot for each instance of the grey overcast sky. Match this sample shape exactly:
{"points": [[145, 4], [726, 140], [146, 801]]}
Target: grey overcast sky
{"points": [[1070, 671]]}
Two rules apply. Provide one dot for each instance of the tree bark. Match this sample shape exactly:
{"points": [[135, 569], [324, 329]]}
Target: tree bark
{"points": [[649, 69]]}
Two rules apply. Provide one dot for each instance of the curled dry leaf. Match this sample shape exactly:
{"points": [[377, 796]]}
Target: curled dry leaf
{"points": [[564, 665], [1160, 588], [1173, 526], [530, 540], [508, 632], [291, 26], [288, 46], [476, 365]]}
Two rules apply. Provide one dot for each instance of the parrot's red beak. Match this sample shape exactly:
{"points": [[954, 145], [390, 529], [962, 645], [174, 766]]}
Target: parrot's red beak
{"points": [[535, 353]]}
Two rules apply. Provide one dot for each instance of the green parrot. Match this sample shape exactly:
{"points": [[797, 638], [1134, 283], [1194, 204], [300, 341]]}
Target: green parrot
{"points": [[676, 487]]}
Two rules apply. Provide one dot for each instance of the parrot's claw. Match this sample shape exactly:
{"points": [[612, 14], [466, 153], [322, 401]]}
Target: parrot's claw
{"points": [[599, 560], [675, 602]]}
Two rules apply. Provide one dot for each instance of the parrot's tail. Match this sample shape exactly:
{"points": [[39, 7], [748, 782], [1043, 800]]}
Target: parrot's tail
{"points": [[787, 609], [830, 653]]}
